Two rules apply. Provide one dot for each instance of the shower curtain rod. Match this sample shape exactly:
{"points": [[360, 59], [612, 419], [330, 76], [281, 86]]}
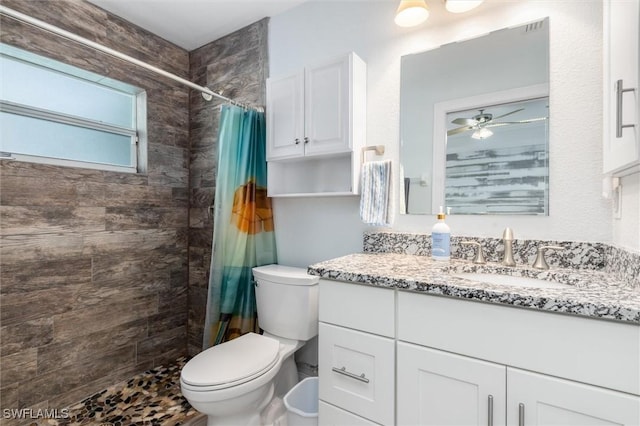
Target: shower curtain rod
{"points": [[206, 92]]}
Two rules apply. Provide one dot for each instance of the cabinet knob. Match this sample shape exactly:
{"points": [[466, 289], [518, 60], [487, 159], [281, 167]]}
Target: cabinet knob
{"points": [[297, 141], [306, 139]]}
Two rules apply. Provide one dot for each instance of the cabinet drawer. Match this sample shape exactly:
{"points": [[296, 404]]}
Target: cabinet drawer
{"points": [[365, 308], [329, 415], [356, 372]]}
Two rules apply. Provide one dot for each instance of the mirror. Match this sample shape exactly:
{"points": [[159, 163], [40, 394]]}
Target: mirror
{"points": [[497, 82]]}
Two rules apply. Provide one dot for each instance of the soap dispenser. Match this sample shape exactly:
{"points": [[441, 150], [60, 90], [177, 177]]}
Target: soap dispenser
{"points": [[441, 239]]}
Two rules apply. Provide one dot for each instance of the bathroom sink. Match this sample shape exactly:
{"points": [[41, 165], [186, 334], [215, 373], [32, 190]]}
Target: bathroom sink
{"points": [[508, 280]]}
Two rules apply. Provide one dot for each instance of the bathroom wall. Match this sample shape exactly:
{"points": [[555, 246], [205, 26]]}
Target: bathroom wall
{"points": [[237, 65], [626, 226], [313, 229], [94, 264]]}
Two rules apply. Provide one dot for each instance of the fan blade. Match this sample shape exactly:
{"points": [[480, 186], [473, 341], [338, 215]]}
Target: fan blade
{"points": [[509, 113], [459, 130], [503, 123], [533, 120], [464, 121]]}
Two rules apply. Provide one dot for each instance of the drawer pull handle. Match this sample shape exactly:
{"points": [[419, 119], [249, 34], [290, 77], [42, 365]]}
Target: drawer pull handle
{"points": [[619, 92], [521, 414], [344, 372], [490, 410]]}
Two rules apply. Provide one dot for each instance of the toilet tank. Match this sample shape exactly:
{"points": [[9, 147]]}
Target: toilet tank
{"points": [[287, 300]]}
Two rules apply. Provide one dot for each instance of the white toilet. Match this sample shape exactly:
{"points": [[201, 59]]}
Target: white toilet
{"points": [[233, 382]]}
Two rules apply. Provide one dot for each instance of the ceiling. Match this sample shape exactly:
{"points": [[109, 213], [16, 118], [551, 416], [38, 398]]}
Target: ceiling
{"points": [[194, 23]]}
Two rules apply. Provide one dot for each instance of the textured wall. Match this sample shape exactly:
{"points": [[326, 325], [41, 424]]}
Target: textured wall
{"points": [[94, 264], [236, 64]]}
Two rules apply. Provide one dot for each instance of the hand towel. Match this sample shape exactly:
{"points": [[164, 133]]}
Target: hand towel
{"points": [[375, 188]]}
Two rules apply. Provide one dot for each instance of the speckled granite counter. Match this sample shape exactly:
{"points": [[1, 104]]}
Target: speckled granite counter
{"points": [[587, 293]]}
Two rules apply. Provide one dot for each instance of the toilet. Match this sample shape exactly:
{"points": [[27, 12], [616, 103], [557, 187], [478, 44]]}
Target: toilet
{"points": [[234, 381]]}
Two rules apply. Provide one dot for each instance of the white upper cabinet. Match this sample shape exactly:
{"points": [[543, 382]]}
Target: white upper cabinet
{"points": [[326, 109], [316, 122], [621, 75], [317, 111], [285, 120]]}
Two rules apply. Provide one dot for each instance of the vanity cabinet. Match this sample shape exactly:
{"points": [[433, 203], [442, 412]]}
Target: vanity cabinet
{"points": [[462, 362], [441, 388], [621, 91], [316, 128], [356, 355], [434, 360]]}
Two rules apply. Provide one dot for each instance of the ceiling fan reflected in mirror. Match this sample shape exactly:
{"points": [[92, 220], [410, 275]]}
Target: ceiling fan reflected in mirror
{"points": [[481, 122]]}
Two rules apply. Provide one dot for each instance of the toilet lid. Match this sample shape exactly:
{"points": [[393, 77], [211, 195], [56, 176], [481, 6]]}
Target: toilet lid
{"points": [[232, 362]]}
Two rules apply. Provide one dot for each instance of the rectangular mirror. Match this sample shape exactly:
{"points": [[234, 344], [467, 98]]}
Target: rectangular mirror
{"points": [[474, 123]]}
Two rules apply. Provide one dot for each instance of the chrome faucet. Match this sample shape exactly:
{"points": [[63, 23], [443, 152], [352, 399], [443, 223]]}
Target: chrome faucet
{"points": [[507, 240]]}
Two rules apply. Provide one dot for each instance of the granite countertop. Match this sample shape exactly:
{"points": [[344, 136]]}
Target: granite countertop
{"points": [[587, 293]]}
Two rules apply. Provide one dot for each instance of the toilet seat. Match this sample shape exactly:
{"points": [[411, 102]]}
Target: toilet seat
{"points": [[231, 363]]}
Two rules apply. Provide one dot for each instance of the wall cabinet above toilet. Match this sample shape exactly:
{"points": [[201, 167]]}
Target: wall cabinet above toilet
{"points": [[316, 128]]}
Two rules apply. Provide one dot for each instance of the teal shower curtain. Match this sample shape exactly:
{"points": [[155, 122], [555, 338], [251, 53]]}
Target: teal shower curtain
{"points": [[243, 234]]}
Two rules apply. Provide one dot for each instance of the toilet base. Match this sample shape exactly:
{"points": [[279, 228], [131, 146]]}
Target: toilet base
{"points": [[275, 413], [243, 411], [286, 378]]}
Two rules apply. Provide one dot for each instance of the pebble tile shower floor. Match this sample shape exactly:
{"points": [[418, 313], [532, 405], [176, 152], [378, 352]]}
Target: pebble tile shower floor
{"points": [[152, 398]]}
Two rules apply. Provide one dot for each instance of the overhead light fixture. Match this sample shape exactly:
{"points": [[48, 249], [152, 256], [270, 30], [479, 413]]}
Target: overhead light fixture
{"points": [[482, 133], [411, 13], [460, 6]]}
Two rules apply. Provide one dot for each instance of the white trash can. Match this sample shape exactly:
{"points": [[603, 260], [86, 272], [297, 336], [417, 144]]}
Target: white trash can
{"points": [[302, 403]]}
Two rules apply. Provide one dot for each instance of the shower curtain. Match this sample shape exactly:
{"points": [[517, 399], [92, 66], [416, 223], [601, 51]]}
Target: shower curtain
{"points": [[243, 235]]}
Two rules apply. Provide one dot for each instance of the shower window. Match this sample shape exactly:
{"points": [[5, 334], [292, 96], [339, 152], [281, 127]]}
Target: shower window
{"points": [[55, 113]]}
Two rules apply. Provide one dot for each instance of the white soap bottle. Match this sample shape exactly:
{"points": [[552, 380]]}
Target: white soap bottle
{"points": [[441, 239]]}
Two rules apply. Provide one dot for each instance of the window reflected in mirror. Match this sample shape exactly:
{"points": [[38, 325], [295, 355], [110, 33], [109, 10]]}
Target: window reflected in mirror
{"points": [[497, 159]]}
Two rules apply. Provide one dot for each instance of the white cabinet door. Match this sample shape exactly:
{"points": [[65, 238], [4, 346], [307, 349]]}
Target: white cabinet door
{"points": [[329, 415], [327, 111], [285, 121], [439, 388], [538, 400], [621, 62], [356, 372]]}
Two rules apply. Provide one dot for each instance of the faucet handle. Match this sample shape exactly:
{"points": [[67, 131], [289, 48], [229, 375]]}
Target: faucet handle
{"points": [[540, 262], [479, 257]]}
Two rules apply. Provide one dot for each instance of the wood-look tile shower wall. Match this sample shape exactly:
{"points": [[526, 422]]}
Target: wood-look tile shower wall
{"points": [[238, 65], [94, 264]]}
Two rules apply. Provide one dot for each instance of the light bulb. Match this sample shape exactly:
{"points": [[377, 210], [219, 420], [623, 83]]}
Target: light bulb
{"points": [[411, 13], [482, 133]]}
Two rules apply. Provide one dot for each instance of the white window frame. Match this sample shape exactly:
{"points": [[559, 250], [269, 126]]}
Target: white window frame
{"points": [[137, 134]]}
